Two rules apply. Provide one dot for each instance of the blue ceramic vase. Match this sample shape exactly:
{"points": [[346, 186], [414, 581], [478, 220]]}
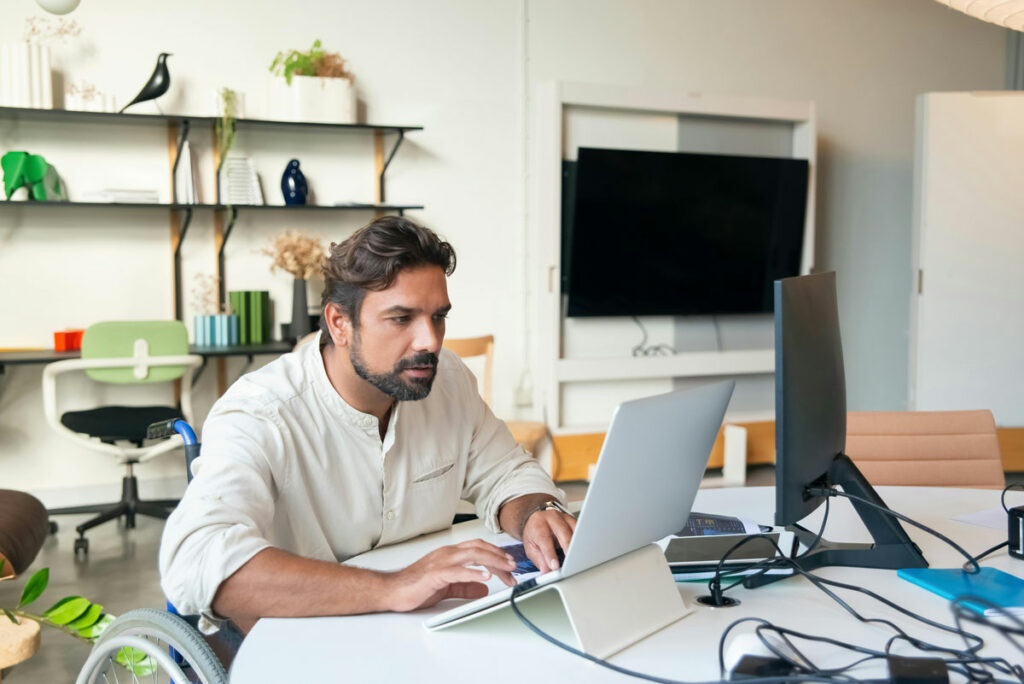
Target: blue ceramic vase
{"points": [[293, 184]]}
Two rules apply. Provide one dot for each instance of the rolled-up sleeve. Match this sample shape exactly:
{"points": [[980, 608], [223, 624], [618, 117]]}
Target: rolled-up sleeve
{"points": [[499, 470], [225, 516]]}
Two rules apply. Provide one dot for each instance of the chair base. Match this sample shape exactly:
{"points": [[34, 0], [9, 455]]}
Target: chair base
{"points": [[129, 506]]}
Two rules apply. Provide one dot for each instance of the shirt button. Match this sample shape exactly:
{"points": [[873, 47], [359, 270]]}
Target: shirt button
{"points": [[367, 421], [390, 515]]}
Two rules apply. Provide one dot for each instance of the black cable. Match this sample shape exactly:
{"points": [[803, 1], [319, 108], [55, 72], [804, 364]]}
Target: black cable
{"points": [[821, 583], [656, 350], [821, 531], [764, 565], [1002, 497], [989, 551], [516, 591], [831, 491], [638, 350], [966, 662], [962, 612]]}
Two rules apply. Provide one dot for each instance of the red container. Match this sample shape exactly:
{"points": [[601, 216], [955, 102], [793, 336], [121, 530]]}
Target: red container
{"points": [[67, 340]]}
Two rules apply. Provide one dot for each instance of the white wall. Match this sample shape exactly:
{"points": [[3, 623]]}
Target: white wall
{"points": [[862, 62], [452, 67], [463, 69]]}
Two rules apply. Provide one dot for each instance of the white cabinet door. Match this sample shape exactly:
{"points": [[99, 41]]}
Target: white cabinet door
{"points": [[967, 309]]}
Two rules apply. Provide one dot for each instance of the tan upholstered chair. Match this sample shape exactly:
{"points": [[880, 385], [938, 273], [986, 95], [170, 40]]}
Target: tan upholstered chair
{"points": [[528, 433], [926, 448], [305, 339]]}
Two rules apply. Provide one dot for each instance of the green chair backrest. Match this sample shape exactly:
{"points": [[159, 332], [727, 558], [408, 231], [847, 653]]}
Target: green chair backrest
{"points": [[117, 340]]}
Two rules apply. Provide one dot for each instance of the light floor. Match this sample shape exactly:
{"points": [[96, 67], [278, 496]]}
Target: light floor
{"points": [[121, 574]]}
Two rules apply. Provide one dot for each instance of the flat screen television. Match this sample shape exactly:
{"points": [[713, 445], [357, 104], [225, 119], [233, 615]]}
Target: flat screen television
{"points": [[663, 233]]}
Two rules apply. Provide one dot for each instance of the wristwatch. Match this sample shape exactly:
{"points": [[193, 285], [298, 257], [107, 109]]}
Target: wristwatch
{"points": [[545, 506], [554, 505]]}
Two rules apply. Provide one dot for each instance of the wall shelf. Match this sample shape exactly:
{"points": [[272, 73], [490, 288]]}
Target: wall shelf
{"points": [[178, 127], [400, 208], [29, 113]]}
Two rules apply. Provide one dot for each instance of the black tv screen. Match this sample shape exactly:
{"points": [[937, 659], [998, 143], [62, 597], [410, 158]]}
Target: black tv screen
{"points": [[663, 233]]}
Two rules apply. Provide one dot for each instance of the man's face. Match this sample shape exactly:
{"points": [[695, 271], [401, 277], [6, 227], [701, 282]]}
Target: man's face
{"points": [[398, 339]]}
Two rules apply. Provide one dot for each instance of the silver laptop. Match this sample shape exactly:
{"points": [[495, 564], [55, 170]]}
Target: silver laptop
{"points": [[643, 488]]}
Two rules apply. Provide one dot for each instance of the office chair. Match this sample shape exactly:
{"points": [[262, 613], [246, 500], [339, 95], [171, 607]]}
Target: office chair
{"points": [[926, 448], [131, 352]]}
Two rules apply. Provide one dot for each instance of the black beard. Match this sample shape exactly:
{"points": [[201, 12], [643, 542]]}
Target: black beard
{"points": [[392, 383]]}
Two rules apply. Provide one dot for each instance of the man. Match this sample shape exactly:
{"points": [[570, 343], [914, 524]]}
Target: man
{"points": [[367, 437]]}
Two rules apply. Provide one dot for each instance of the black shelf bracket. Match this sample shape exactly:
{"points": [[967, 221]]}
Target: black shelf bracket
{"points": [[380, 181], [186, 125], [178, 308], [232, 213]]}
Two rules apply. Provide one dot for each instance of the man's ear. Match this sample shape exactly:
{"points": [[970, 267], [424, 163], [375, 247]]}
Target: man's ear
{"points": [[338, 324]]}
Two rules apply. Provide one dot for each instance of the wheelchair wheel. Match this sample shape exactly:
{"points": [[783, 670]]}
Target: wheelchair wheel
{"points": [[154, 633]]}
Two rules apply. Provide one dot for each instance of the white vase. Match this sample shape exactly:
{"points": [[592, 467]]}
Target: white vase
{"points": [[312, 99]]}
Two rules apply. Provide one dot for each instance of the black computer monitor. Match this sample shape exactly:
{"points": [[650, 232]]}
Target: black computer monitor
{"points": [[810, 429]]}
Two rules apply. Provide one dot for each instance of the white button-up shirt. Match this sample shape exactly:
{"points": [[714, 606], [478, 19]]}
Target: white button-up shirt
{"points": [[286, 463]]}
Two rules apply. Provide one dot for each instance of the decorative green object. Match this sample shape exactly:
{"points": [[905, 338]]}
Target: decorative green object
{"points": [[225, 125], [76, 617], [22, 169]]}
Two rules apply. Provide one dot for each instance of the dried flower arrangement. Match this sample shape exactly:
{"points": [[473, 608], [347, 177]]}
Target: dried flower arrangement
{"points": [[46, 30], [297, 253], [205, 296]]}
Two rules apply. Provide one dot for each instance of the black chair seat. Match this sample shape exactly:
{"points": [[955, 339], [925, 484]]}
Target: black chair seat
{"points": [[112, 423]]}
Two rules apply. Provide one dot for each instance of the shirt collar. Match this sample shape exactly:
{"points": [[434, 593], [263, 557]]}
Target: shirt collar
{"points": [[365, 422]]}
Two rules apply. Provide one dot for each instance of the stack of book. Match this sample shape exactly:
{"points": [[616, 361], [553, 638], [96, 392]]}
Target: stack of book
{"points": [[218, 330], [253, 310]]}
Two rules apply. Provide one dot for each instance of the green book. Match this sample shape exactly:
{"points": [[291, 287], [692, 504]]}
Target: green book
{"points": [[265, 321], [239, 305], [253, 304]]}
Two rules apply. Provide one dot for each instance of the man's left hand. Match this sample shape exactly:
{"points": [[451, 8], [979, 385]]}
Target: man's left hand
{"points": [[544, 533]]}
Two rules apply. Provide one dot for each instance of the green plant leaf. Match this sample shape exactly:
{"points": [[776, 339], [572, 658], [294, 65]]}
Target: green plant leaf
{"points": [[34, 587], [137, 662], [57, 605], [71, 610], [2, 566], [11, 616], [95, 630], [88, 618]]}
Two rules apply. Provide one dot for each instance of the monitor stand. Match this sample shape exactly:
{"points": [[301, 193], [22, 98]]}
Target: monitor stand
{"points": [[892, 548]]}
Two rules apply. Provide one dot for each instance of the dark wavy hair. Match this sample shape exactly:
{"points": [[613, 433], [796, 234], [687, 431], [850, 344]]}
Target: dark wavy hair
{"points": [[371, 259]]}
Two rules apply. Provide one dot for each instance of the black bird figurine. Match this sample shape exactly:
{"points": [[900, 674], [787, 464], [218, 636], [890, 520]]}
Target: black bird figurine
{"points": [[157, 84]]}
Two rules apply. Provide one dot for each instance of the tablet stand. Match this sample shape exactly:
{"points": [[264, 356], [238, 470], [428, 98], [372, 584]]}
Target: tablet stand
{"points": [[613, 605]]}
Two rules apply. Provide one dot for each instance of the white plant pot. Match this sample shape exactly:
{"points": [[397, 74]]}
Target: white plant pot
{"points": [[312, 99]]}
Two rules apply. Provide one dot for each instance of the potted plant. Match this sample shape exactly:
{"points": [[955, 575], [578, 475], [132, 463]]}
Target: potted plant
{"points": [[317, 86]]}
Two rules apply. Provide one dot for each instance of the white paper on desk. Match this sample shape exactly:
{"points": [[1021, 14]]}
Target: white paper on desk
{"points": [[994, 518]]}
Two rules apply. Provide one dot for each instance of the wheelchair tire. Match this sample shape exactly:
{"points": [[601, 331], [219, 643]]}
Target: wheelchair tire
{"points": [[153, 631]]}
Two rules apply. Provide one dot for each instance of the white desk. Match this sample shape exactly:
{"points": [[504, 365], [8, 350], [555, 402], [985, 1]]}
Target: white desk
{"points": [[497, 648]]}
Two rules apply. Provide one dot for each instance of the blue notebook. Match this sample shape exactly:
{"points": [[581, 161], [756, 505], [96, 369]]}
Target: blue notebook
{"points": [[999, 587]]}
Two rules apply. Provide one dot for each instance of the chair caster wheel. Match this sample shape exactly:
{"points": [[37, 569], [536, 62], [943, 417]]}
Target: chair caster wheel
{"points": [[53, 527], [82, 544]]}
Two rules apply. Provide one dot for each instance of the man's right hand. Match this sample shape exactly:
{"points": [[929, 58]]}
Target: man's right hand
{"points": [[445, 573]]}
